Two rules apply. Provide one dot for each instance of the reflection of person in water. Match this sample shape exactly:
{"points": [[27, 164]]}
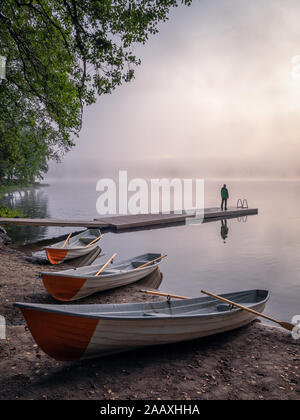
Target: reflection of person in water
{"points": [[224, 230]]}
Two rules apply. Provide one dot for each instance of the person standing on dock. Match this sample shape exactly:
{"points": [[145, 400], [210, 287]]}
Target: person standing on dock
{"points": [[225, 196]]}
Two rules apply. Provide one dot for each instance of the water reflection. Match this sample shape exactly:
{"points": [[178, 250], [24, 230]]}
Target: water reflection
{"points": [[224, 230], [261, 254], [152, 281], [32, 203]]}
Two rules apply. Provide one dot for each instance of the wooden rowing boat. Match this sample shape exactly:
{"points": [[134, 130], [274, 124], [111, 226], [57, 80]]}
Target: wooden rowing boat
{"points": [[75, 247], [75, 332], [77, 283]]}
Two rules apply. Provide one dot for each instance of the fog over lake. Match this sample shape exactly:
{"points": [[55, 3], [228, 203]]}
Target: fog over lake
{"points": [[214, 96]]}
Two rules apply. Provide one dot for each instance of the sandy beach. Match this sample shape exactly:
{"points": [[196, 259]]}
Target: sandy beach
{"points": [[254, 362]]}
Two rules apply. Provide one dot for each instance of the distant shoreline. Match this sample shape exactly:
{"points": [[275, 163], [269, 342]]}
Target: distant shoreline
{"points": [[16, 187], [11, 188]]}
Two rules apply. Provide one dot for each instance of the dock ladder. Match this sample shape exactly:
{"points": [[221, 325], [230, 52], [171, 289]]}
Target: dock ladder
{"points": [[242, 204]]}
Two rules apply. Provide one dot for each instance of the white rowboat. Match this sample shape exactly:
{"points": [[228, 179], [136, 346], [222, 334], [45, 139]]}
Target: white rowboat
{"points": [[75, 332], [75, 247], [80, 282]]}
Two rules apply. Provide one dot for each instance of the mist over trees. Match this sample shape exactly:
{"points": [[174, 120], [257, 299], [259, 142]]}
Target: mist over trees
{"points": [[62, 54]]}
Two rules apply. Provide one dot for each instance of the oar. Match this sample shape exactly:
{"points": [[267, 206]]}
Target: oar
{"points": [[286, 325], [150, 292], [94, 240], [106, 264], [65, 243], [150, 262]]}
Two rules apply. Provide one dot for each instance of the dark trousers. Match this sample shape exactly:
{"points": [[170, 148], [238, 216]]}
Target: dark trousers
{"points": [[224, 201]]}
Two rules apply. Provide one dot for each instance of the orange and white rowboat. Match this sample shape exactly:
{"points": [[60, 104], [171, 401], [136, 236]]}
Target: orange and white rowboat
{"points": [[75, 247], [78, 283], [75, 332]]}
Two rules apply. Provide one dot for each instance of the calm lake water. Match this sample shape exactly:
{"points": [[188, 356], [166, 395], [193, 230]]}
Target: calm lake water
{"points": [[260, 251]]}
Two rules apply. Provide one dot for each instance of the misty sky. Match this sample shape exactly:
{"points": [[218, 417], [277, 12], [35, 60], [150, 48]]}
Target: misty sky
{"points": [[213, 97]]}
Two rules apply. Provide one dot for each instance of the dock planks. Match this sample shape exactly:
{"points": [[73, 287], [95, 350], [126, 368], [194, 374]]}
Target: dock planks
{"points": [[132, 221], [217, 213], [125, 222], [19, 221]]}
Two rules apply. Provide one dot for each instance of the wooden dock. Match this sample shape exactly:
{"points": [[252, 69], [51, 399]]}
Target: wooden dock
{"points": [[137, 221], [217, 213], [133, 221], [19, 221]]}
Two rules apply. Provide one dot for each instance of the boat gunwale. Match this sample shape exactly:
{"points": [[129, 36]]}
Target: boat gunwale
{"points": [[142, 317], [74, 238], [73, 247], [90, 277]]}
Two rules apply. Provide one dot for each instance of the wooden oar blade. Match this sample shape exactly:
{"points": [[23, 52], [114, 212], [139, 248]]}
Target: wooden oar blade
{"points": [[287, 325]]}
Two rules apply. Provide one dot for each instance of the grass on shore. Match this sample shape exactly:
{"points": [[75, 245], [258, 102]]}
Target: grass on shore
{"points": [[7, 212]]}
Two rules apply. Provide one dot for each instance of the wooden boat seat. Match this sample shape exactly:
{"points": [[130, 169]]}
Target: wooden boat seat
{"points": [[136, 264], [224, 307], [87, 239], [111, 271]]}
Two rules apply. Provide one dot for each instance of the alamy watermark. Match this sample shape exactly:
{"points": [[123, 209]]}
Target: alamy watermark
{"points": [[150, 196], [296, 329], [2, 328]]}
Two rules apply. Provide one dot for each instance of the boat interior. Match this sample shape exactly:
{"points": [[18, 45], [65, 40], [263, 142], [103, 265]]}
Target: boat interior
{"points": [[80, 240], [169, 307], [115, 268]]}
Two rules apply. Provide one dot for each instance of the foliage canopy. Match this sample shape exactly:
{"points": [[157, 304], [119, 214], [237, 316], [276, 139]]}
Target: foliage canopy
{"points": [[61, 54]]}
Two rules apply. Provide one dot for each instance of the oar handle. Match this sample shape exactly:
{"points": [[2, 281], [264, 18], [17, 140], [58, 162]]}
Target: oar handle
{"points": [[150, 262], [65, 243], [94, 240], [240, 306], [106, 264], [150, 292]]}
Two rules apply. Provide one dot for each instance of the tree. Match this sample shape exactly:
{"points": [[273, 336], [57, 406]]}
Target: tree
{"points": [[61, 54]]}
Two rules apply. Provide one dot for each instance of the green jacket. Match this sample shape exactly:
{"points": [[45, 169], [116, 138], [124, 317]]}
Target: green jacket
{"points": [[224, 193]]}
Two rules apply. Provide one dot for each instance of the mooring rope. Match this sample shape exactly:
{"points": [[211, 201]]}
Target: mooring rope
{"points": [[14, 324]]}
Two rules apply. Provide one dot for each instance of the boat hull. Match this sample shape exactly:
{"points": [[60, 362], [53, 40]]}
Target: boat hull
{"points": [[74, 284], [76, 337], [76, 247], [58, 255], [70, 288], [112, 337]]}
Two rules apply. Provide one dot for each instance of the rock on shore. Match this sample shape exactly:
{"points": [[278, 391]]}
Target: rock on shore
{"points": [[4, 238]]}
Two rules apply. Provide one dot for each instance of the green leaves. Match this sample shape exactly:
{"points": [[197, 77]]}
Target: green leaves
{"points": [[7, 212]]}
